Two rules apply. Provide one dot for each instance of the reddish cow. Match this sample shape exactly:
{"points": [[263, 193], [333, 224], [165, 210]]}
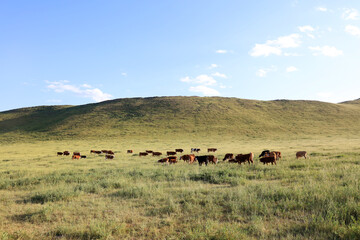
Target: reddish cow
{"points": [[172, 159], [212, 159], [267, 160], [190, 158], [301, 154], [76, 157], [228, 156], [242, 158], [163, 160], [212, 149], [110, 152]]}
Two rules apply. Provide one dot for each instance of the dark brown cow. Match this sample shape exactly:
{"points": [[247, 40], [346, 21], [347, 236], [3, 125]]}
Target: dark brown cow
{"points": [[169, 153], [212, 149], [104, 151], [190, 158], [172, 159], [228, 156], [212, 159], [242, 158], [267, 160], [92, 151], [60, 153], [97, 152], [76, 157], [232, 160], [164, 160], [179, 150], [301, 154], [149, 151], [109, 156], [129, 151], [143, 154], [110, 152], [66, 153], [82, 156], [156, 153], [76, 153]]}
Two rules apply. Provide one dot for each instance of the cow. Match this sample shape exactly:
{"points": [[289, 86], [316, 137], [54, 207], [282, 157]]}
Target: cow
{"points": [[164, 160], [92, 151], [60, 153], [76, 157], [264, 152], [169, 153], [97, 152], [66, 153], [172, 159], [202, 159], [179, 150], [228, 156], [212, 159], [267, 160], [278, 155], [104, 151], [143, 154], [233, 160], [109, 156], [129, 151], [110, 152], [156, 153], [270, 154], [195, 150], [82, 156], [212, 149], [302, 154], [76, 153], [149, 151], [190, 158], [243, 158]]}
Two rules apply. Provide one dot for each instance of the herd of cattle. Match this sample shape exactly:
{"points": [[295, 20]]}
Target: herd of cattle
{"points": [[266, 156]]}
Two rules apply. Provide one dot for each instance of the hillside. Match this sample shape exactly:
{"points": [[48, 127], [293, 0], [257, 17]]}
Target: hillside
{"points": [[167, 117]]}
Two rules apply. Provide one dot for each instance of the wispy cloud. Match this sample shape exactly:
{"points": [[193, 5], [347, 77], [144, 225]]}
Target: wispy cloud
{"points": [[275, 46], [322, 9], [352, 30], [291, 69], [307, 30], [201, 79], [204, 90], [124, 74], [350, 14], [262, 72], [221, 75], [222, 51], [213, 66], [83, 90], [327, 51]]}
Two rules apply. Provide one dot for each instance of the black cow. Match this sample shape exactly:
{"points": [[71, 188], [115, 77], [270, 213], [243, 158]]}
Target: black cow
{"points": [[202, 159], [264, 152]]}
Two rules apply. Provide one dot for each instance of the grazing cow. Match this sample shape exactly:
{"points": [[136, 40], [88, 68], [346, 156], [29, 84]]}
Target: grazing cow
{"points": [[82, 156], [267, 160], [195, 150], [232, 160], [109, 156], [76, 157], [264, 152], [60, 153], [301, 154], [76, 153], [129, 151], [179, 150], [149, 151], [110, 152], [242, 158], [169, 153], [92, 151], [104, 151], [172, 159], [97, 152], [156, 153], [66, 153], [202, 159], [212, 149], [228, 156], [212, 159], [190, 158], [164, 160], [143, 154]]}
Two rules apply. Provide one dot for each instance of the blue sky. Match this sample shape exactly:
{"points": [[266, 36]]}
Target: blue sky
{"points": [[77, 52]]}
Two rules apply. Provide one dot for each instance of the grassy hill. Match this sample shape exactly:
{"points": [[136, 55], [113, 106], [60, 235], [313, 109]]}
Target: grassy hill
{"points": [[167, 117]]}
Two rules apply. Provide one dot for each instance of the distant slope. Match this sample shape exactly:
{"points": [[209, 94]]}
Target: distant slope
{"points": [[166, 117]]}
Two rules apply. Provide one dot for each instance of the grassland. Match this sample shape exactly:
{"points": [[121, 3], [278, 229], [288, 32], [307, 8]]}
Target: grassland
{"points": [[43, 196]]}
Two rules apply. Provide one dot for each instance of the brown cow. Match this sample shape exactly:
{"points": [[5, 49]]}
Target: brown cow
{"points": [[76, 157], [242, 158], [228, 156], [302, 154], [60, 153], [82, 156], [212, 159], [179, 150], [110, 152], [278, 155], [172, 159], [143, 154], [149, 151], [232, 160], [273, 154], [66, 153], [76, 153], [212, 149], [129, 151], [109, 156], [190, 158], [104, 151], [169, 153], [156, 153], [164, 160], [92, 151], [267, 160], [97, 152]]}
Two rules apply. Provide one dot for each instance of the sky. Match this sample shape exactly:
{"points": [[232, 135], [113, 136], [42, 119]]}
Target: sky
{"points": [[78, 52]]}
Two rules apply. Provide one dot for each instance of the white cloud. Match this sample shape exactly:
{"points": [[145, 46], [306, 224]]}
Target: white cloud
{"points": [[206, 91], [221, 51], [201, 79], [124, 74], [84, 90], [275, 46], [353, 30], [292, 55], [221, 75], [350, 14], [322, 9], [213, 66], [291, 69], [327, 51], [306, 28], [262, 72]]}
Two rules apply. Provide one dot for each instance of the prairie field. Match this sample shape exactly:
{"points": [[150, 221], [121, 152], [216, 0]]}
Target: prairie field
{"points": [[44, 196]]}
